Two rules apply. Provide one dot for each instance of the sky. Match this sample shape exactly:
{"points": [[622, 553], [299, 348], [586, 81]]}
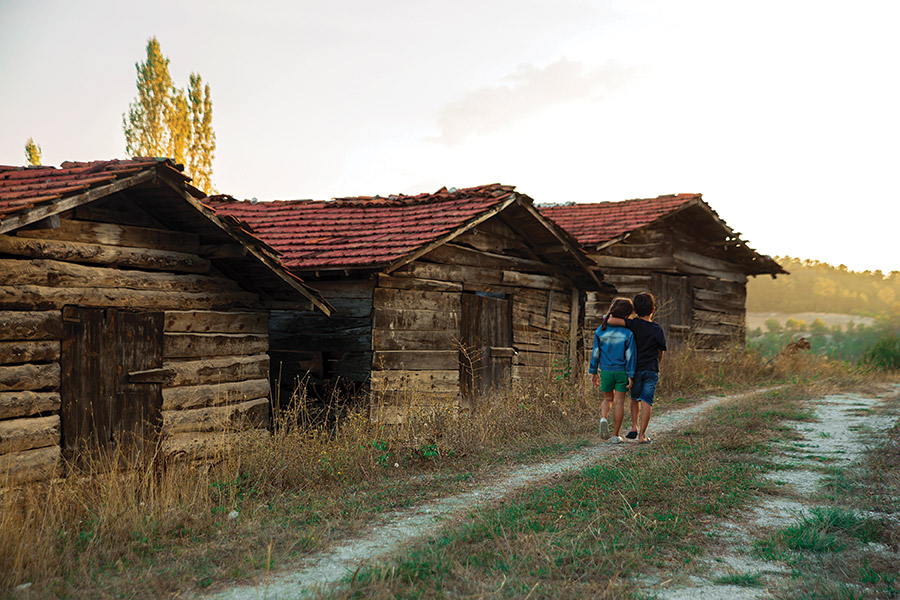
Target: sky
{"points": [[783, 114]]}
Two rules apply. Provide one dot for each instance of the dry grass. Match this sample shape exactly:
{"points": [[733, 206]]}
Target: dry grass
{"points": [[152, 531]]}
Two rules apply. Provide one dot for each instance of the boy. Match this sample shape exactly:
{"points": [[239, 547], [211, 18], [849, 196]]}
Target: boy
{"points": [[651, 345], [614, 357]]}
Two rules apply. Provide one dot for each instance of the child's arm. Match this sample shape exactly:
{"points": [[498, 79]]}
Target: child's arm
{"points": [[630, 359], [616, 322], [661, 352], [595, 361]]}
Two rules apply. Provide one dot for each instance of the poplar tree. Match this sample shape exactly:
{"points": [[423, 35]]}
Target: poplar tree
{"points": [[32, 152], [167, 121]]}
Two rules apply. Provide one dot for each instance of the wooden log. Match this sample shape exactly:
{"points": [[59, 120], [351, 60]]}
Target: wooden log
{"points": [[245, 415], [141, 258], [407, 282], [360, 289], [55, 273], [31, 325], [28, 351], [444, 381], [406, 299], [33, 296], [196, 396], [386, 339], [542, 282], [111, 234], [30, 377], [453, 254], [729, 318], [216, 321], [388, 318], [198, 345], [17, 435], [29, 465], [217, 370], [660, 262], [25, 403], [415, 360]]}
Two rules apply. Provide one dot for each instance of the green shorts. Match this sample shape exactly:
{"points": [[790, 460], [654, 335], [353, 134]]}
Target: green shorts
{"points": [[613, 381]]}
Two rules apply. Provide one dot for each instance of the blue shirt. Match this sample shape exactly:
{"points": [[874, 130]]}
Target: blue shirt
{"points": [[614, 350]]}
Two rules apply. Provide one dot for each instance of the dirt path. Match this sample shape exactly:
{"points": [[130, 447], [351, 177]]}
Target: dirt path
{"points": [[845, 425], [398, 529]]}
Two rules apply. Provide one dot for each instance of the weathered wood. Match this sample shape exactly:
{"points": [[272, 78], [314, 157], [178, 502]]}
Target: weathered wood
{"points": [[196, 396], [453, 254], [29, 465], [28, 351], [54, 273], [191, 345], [415, 360], [385, 339], [142, 258], [729, 318], [707, 263], [17, 435], [202, 445], [645, 264], [245, 415], [33, 296], [29, 377], [216, 321], [111, 234], [412, 283], [33, 325], [24, 403], [405, 299], [217, 370], [542, 282], [360, 289], [412, 319], [426, 381]]}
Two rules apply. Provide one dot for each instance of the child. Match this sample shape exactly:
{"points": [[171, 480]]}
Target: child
{"points": [[651, 344], [614, 354]]}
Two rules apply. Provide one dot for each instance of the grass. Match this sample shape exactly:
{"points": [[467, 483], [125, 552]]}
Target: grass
{"points": [[111, 530], [749, 580]]}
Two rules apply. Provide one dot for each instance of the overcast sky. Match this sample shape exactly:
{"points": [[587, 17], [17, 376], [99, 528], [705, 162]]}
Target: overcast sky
{"points": [[783, 114]]}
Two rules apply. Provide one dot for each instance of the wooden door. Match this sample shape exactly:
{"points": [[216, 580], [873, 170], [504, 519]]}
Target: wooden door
{"points": [[486, 338], [674, 306], [101, 408]]}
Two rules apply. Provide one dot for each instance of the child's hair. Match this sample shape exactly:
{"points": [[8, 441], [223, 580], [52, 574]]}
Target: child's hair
{"points": [[644, 304], [621, 308]]}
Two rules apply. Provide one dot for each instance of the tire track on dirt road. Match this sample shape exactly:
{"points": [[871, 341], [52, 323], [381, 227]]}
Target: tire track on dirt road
{"points": [[396, 530]]}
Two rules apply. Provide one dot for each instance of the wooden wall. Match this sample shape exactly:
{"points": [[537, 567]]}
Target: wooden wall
{"points": [[661, 258], [215, 367]]}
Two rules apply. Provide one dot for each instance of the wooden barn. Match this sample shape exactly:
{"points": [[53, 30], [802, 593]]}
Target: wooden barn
{"points": [[449, 294], [677, 248], [129, 310]]}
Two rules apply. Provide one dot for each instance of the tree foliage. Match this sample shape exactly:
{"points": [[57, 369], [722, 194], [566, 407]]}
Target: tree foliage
{"points": [[32, 152], [167, 121]]}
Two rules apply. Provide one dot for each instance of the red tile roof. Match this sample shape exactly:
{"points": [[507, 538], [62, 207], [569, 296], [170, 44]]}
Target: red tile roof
{"points": [[593, 224], [23, 188], [362, 232]]}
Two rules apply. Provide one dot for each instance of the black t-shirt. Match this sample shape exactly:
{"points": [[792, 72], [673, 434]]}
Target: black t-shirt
{"points": [[649, 339]]}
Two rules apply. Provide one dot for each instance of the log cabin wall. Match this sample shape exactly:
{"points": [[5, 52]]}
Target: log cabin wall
{"points": [[700, 294], [214, 334]]}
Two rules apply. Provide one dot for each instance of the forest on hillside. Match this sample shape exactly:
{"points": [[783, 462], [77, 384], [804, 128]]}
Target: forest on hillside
{"points": [[814, 286]]}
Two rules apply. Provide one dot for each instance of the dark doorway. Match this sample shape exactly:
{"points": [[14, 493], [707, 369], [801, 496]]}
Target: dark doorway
{"points": [[674, 306], [101, 408], [485, 357]]}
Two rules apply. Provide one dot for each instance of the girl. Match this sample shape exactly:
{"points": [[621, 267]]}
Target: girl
{"points": [[614, 354]]}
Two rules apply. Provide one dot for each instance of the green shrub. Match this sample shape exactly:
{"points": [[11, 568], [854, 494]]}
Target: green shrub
{"points": [[884, 354]]}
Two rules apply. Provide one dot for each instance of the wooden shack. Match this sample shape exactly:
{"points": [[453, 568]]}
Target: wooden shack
{"points": [[448, 294], [677, 248], [129, 310]]}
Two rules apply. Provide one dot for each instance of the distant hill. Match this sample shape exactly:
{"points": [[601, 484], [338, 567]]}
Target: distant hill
{"points": [[814, 286]]}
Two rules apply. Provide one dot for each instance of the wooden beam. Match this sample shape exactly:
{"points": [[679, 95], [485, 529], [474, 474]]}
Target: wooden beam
{"points": [[197, 396], [17, 435], [206, 321], [28, 351], [244, 415], [112, 234], [29, 465], [30, 377], [68, 203], [24, 403], [199, 345], [223, 369], [41, 297], [30, 325]]}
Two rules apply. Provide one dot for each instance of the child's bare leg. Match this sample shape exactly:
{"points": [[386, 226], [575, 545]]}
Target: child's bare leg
{"points": [[646, 409], [635, 411], [619, 414], [606, 404]]}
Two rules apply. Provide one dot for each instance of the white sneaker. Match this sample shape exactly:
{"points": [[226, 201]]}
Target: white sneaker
{"points": [[616, 439], [604, 429]]}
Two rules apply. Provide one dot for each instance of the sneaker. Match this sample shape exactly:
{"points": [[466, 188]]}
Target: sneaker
{"points": [[631, 435], [616, 439], [604, 429]]}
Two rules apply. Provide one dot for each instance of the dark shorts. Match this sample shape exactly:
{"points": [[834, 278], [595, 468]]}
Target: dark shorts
{"points": [[644, 386]]}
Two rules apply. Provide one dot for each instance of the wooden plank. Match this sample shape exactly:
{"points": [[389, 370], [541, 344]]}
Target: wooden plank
{"points": [[216, 321], [196, 396], [411, 319], [196, 345], [29, 377], [28, 351], [405, 281], [217, 370], [17, 435], [25, 403], [415, 360], [40, 297], [111, 234], [542, 282], [359, 289], [658, 262], [30, 325], [142, 258], [244, 415], [729, 318], [444, 381], [29, 465], [385, 339], [54, 273], [202, 445], [405, 299], [453, 254], [707, 263]]}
